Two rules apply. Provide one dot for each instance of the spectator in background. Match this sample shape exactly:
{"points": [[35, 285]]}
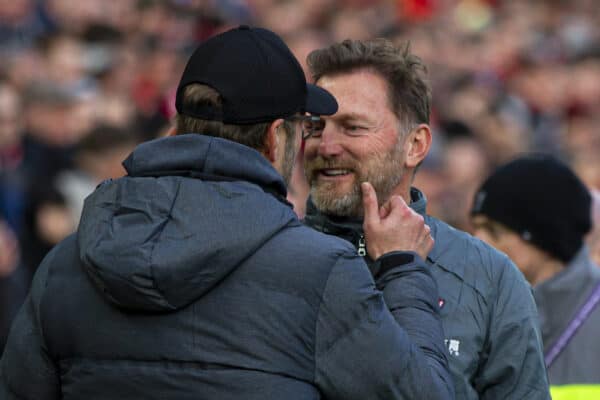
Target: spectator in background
{"points": [[13, 280], [50, 136], [20, 25], [55, 204], [536, 210], [98, 156], [50, 131], [64, 62], [12, 184], [381, 134], [46, 221], [14, 276]]}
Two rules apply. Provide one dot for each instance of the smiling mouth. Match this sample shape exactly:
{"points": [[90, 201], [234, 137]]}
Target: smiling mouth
{"points": [[335, 172]]}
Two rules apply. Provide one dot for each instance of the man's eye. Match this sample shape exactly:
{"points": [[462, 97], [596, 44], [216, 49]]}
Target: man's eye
{"points": [[355, 128]]}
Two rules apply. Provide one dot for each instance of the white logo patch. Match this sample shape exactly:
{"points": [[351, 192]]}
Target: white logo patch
{"points": [[453, 346]]}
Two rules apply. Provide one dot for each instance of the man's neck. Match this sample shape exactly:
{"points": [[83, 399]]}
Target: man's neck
{"points": [[546, 269], [400, 190]]}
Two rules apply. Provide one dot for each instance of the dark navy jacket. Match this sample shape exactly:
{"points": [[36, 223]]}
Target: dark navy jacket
{"points": [[191, 278]]}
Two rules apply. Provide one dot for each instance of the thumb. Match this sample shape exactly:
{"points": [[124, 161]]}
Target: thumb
{"points": [[369, 204], [399, 206]]}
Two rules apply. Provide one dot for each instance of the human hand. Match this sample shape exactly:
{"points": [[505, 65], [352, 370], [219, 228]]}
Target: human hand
{"points": [[393, 227]]}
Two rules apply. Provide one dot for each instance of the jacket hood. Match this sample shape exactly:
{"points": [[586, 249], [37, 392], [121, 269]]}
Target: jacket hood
{"points": [[191, 210]]}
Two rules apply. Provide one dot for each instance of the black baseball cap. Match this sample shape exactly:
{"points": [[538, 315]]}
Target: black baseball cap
{"points": [[257, 76]]}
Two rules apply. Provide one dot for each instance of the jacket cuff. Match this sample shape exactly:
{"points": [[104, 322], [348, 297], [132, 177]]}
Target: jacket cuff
{"points": [[395, 259]]}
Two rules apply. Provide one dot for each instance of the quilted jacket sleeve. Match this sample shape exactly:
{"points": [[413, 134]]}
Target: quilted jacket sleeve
{"points": [[26, 370], [362, 352], [514, 362]]}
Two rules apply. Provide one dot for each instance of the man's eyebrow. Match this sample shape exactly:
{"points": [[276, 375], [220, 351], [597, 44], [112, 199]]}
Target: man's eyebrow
{"points": [[352, 116]]}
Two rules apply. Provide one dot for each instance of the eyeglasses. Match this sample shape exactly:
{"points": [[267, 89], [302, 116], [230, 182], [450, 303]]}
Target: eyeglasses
{"points": [[312, 125]]}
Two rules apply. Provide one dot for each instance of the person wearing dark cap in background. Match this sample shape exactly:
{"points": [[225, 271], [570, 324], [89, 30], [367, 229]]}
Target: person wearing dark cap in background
{"points": [[191, 277], [537, 211]]}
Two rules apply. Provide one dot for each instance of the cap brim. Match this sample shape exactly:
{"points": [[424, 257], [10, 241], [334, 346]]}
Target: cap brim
{"points": [[319, 101]]}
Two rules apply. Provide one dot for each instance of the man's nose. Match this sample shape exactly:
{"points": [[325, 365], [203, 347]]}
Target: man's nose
{"points": [[330, 144]]}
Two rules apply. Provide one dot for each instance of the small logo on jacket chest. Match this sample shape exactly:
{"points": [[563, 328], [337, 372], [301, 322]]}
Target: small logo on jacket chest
{"points": [[453, 346]]}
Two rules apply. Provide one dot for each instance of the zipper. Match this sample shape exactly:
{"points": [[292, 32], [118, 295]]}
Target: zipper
{"points": [[362, 246]]}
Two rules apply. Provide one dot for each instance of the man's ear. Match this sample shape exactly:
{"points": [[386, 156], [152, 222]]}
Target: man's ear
{"points": [[418, 144], [272, 141]]}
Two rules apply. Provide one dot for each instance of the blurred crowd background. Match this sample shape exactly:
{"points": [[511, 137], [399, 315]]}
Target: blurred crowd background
{"points": [[83, 81]]}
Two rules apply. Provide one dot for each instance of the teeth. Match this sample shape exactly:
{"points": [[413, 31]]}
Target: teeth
{"points": [[335, 172]]}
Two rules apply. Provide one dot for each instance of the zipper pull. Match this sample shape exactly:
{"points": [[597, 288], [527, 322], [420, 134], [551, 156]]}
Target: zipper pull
{"points": [[362, 246]]}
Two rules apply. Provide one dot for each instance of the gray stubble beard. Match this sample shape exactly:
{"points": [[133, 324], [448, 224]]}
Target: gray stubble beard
{"points": [[384, 181]]}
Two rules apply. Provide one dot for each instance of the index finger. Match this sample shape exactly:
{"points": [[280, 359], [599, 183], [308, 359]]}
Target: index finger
{"points": [[369, 203]]}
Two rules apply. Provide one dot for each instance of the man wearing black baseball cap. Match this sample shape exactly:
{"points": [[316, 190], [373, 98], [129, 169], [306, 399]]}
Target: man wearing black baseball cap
{"points": [[538, 211], [191, 277]]}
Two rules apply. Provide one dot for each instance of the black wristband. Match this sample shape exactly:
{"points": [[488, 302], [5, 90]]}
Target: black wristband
{"points": [[394, 259]]}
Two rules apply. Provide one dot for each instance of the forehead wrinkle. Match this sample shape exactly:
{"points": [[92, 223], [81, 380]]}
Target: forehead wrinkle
{"points": [[352, 115], [359, 78]]}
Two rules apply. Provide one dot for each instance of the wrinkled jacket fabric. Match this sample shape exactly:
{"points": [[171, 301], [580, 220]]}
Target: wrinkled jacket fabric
{"points": [[191, 278], [575, 373], [488, 312]]}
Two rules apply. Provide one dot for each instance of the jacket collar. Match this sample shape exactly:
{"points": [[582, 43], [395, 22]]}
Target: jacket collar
{"points": [[559, 297], [345, 227], [418, 201], [579, 269], [350, 228]]}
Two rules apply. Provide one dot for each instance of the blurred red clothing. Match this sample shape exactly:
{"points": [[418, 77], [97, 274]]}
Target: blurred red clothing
{"points": [[417, 10]]}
